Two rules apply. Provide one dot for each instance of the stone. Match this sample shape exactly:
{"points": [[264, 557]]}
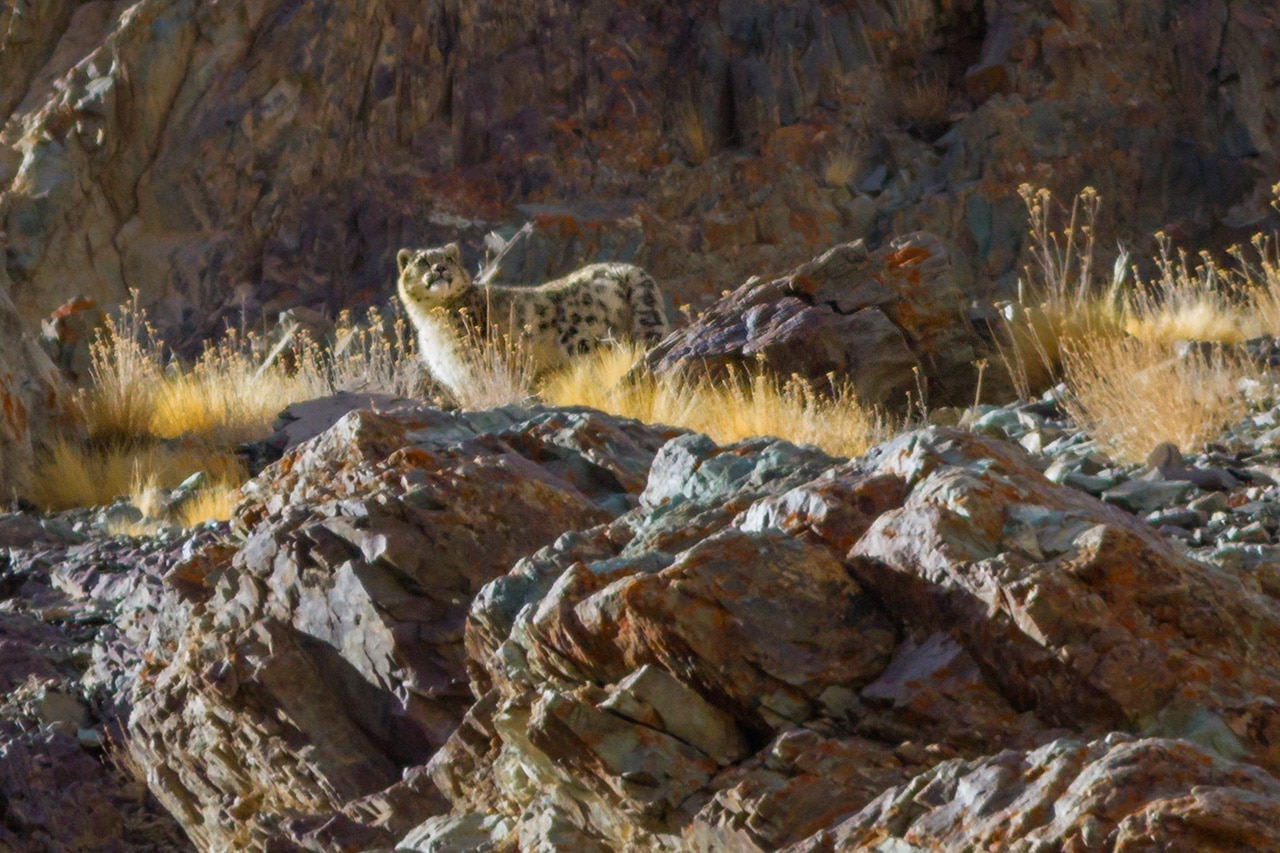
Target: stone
{"points": [[1027, 571], [68, 335], [328, 646], [889, 320], [1126, 793], [1142, 496]]}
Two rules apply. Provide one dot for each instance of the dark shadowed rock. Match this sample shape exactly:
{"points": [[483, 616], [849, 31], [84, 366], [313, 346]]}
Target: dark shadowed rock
{"points": [[33, 396], [281, 152]]}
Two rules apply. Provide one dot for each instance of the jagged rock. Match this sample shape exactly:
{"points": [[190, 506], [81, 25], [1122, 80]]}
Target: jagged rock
{"points": [[1117, 793], [32, 395], [68, 335], [67, 649], [326, 655], [887, 322], [552, 629], [1007, 611], [1058, 595]]}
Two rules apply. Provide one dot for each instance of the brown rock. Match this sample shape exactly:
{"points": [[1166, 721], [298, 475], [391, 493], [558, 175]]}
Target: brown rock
{"points": [[68, 335], [1060, 596], [324, 656], [279, 155], [1117, 793], [874, 317]]}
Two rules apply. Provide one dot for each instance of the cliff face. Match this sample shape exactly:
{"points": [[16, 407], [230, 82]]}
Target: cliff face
{"points": [[255, 154]]}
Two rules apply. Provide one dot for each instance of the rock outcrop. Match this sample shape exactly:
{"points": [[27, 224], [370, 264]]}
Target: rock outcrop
{"points": [[889, 322], [551, 629], [325, 657], [253, 155]]}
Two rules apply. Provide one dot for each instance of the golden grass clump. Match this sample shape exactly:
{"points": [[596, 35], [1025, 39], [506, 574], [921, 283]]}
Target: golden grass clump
{"points": [[1064, 303], [841, 166], [1132, 394], [726, 411], [230, 395], [498, 370], [1204, 302], [1059, 304], [73, 474]]}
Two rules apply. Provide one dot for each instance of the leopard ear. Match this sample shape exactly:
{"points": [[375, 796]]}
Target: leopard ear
{"points": [[402, 258], [454, 252]]}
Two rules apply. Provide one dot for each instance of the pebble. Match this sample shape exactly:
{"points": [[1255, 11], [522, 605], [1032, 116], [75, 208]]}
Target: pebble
{"points": [[1220, 502]]}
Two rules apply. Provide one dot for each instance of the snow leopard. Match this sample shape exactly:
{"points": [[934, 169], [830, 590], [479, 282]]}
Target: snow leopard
{"points": [[552, 322]]}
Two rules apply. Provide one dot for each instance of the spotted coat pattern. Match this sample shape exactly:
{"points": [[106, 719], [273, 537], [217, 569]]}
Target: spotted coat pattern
{"points": [[553, 321]]}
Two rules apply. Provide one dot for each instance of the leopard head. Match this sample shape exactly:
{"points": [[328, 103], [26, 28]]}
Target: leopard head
{"points": [[431, 278]]}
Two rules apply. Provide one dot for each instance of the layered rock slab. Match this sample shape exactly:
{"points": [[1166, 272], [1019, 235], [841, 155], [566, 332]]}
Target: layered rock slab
{"points": [[325, 657], [1117, 793], [518, 630], [982, 606], [889, 320]]}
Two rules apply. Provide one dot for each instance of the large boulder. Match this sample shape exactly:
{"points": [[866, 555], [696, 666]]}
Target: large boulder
{"points": [[325, 657], [889, 322]]}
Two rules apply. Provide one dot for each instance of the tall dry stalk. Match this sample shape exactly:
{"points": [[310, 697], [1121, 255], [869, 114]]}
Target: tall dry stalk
{"points": [[1060, 301]]}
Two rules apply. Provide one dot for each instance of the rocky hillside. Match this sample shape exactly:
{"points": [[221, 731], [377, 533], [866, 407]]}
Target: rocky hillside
{"points": [[530, 629], [544, 630], [252, 155]]}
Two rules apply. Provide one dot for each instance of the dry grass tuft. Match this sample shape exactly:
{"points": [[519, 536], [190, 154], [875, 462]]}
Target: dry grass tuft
{"points": [[924, 104], [125, 367], [72, 474], [725, 411], [1060, 302], [1203, 302], [499, 371], [212, 503], [1131, 394], [841, 167], [231, 395]]}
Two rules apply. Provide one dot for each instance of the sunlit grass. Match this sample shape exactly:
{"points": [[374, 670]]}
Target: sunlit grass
{"points": [[1131, 394], [230, 395], [727, 411], [1113, 339], [72, 474]]}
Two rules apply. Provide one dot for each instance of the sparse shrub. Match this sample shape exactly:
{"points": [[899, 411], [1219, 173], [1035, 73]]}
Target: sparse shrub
{"points": [[1131, 394]]}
